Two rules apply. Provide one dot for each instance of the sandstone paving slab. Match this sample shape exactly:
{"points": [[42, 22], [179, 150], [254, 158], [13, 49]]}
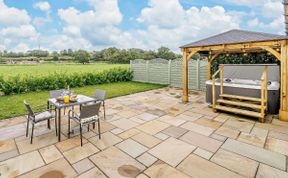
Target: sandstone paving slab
{"points": [[196, 166], [239, 124], [171, 120], [38, 142], [189, 116], [227, 132], [273, 159], [50, 154], [8, 154], [157, 112], [153, 127], [12, 121], [260, 132], [21, 164], [70, 143], [175, 132], [137, 120], [117, 131], [198, 128], [218, 137], [93, 173], [132, 147], [234, 162], [115, 163], [126, 113], [174, 111], [142, 176], [12, 131], [277, 145], [83, 166], [161, 136], [129, 133], [278, 135], [201, 141], [161, 169], [147, 116], [107, 139], [78, 153], [147, 159], [172, 151], [208, 123], [265, 171], [7, 145], [105, 127], [273, 127], [252, 139], [203, 153], [146, 139], [124, 124], [59, 168]]}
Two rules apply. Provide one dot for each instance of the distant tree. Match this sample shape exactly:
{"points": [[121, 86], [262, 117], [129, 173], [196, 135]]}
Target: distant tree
{"points": [[165, 53], [82, 56], [97, 56], [70, 52]]}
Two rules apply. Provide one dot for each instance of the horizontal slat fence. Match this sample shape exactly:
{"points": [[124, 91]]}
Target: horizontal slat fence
{"points": [[169, 72]]}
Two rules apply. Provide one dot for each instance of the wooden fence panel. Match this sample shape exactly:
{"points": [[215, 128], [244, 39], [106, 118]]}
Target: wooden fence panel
{"points": [[170, 72]]}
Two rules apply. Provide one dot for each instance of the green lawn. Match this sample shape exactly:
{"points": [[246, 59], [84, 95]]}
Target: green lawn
{"points": [[12, 105], [48, 68]]}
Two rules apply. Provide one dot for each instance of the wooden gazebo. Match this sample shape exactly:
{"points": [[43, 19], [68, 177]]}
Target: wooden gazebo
{"points": [[240, 41]]}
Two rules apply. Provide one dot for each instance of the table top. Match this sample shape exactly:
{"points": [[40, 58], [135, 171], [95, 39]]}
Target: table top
{"points": [[81, 99]]}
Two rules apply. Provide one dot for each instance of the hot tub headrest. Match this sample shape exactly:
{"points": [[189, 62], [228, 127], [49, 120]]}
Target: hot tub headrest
{"points": [[251, 72]]}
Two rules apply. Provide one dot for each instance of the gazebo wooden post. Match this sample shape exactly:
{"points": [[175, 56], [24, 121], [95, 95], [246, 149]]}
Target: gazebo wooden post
{"points": [[283, 113], [185, 97], [209, 68]]}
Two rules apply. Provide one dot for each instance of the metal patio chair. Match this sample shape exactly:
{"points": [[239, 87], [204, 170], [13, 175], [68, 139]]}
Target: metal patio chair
{"points": [[36, 117], [89, 114], [100, 96]]}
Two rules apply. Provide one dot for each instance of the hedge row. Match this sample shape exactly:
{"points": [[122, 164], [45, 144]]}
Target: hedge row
{"points": [[16, 85]]}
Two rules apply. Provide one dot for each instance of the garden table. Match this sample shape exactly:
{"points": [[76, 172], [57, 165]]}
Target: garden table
{"points": [[81, 99]]}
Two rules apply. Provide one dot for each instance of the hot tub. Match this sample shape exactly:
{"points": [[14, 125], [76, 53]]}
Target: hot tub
{"points": [[248, 87]]}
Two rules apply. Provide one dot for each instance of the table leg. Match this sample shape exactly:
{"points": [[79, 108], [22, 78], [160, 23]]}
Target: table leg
{"points": [[59, 124]]}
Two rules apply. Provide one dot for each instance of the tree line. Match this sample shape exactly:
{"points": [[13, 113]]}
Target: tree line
{"points": [[112, 55]]}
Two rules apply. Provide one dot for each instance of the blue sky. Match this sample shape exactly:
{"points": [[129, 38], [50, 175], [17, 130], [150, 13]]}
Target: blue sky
{"points": [[147, 24]]}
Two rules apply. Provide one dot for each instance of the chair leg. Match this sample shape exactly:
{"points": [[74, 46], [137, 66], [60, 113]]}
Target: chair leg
{"points": [[55, 125], [104, 110], [48, 124], [27, 128], [81, 134], [93, 125], [88, 127], [32, 133], [69, 127], [99, 131]]}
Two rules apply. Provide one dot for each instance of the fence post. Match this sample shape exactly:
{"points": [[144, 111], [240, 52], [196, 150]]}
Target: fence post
{"points": [[198, 73], [147, 71], [169, 72]]}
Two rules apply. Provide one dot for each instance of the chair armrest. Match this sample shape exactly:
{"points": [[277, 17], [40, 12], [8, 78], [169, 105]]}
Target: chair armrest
{"points": [[71, 112]]}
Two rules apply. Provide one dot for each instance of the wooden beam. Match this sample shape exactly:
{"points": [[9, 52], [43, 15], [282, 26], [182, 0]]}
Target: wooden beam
{"points": [[191, 54], [283, 113], [185, 97], [239, 47], [272, 51]]}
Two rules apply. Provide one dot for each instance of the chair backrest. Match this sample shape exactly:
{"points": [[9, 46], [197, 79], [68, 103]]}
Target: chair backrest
{"points": [[30, 111], [57, 93], [100, 95], [90, 110]]}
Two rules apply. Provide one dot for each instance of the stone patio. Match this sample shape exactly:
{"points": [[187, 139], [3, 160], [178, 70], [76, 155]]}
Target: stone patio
{"points": [[150, 134]]}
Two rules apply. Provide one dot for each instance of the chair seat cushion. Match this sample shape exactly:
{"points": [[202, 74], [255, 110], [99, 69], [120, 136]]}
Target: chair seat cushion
{"points": [[43, 116], [87, 120]]}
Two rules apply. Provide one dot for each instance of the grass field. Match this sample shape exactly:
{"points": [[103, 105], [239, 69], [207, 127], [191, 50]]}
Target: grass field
{"points": [[49, 68], [12, 105]]}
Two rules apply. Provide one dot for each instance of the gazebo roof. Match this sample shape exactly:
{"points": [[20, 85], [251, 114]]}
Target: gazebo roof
{"points": [[235, 37]]}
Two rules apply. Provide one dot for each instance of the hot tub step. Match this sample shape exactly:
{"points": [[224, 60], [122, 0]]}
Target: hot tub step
{"points": [[241, 97], [238, 111], [239, 103]]}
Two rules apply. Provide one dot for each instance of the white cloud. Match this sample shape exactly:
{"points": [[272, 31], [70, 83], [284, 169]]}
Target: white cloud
{"points": [[23, 32], [21, 47], [42, 5], [10, 16]]}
